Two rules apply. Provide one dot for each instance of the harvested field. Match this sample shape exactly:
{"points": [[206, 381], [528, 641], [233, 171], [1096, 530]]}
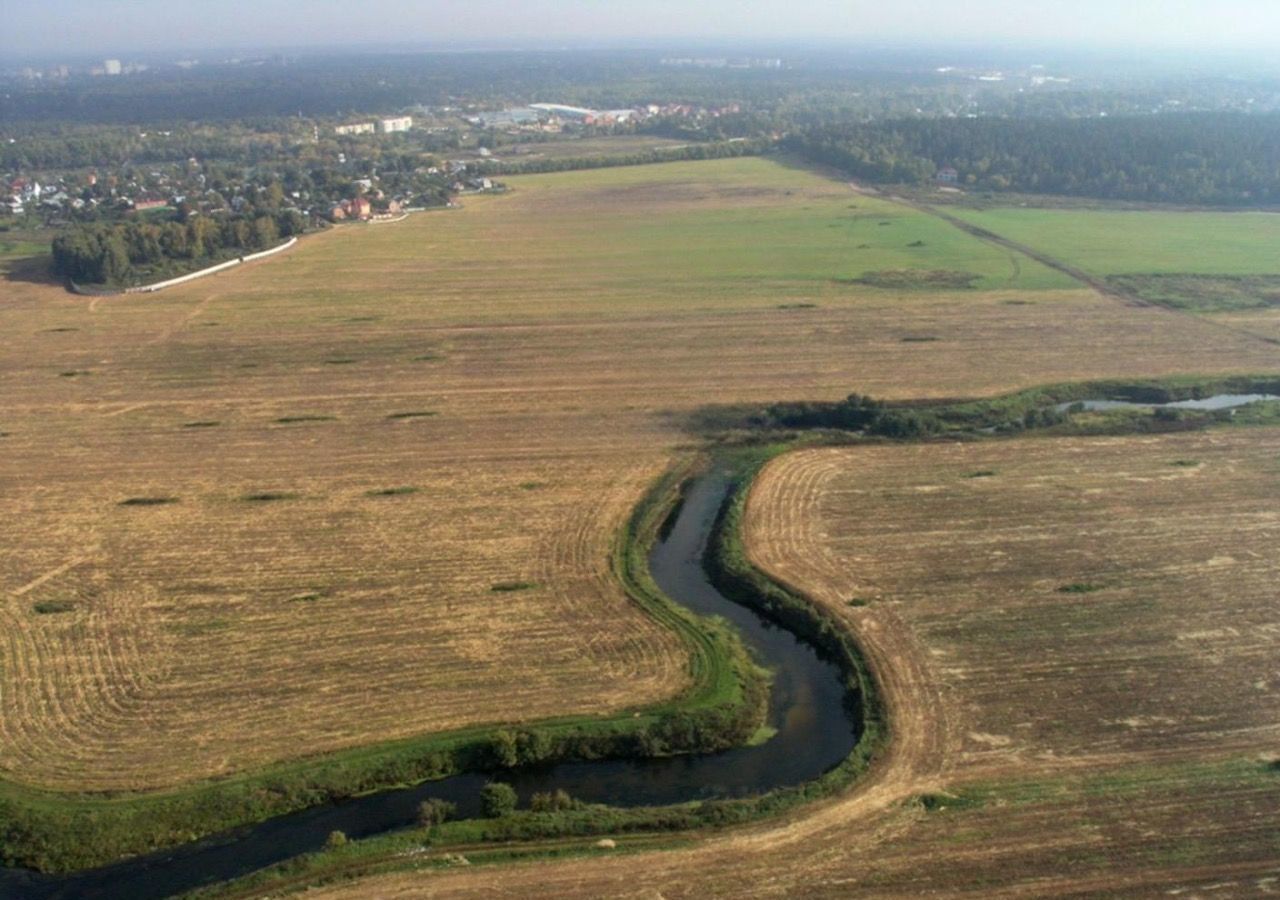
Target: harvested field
{"points": [[1047, 742], [558, 345]]}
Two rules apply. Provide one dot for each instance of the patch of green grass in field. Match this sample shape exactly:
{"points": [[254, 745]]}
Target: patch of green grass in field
{"points": [[1204, 293], [1125, 242], [945, 802], [148, 501], [52, 607], [1079, 587], [392, 491], [19, 254], [297, 420], [918, 279], [507, 587]]}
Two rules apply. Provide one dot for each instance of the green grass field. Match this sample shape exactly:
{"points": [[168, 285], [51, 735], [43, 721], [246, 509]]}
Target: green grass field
{"points": [[1112, 242]]}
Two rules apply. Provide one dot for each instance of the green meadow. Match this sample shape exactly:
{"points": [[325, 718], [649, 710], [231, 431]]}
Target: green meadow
{"points": [[1124, 242]]}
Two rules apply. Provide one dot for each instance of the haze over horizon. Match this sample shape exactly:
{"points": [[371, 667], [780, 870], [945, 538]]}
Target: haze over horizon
{"points": [[107, 27]]}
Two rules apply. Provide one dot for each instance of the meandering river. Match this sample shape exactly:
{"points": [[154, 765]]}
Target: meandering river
{"points": [[815, 731]]}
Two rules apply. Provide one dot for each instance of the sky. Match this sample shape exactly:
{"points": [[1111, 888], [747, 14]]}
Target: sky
{"points": [[115, 27]]}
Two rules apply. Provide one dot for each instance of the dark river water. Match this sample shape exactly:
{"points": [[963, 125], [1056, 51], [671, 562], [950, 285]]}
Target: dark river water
{"points": [[807, 706]]}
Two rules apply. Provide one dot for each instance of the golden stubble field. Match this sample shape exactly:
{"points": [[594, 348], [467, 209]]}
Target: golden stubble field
{"points": [[524, 365], [1113, 739]]}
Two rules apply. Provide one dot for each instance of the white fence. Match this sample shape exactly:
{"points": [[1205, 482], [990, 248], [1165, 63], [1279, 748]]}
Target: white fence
{"points": [[231, 263]]}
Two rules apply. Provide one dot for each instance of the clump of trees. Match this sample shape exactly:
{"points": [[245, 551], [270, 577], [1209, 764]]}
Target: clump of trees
{"points": [[113, 253], [855, 413]]}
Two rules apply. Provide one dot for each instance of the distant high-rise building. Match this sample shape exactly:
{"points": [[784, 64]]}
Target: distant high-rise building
{"points": [[112, 66]]}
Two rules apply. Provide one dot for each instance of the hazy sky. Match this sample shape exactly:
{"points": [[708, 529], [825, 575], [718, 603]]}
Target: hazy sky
{"points": [[110, 27]]}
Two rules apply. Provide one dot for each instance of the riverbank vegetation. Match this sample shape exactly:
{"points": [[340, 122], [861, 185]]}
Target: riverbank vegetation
{"points": [[1056, 409]]}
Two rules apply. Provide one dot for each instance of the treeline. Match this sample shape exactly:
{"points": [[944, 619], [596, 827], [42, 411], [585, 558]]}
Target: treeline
{"points": [[105, 146], [855, 413], [1219, 159], [717, 150], [113, 253]]}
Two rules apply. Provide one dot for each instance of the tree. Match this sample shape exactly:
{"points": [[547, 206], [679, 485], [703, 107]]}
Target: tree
{"points": [[273, 196], [505, 749], [265, 233], [497, 799], [434, 811], [552, 802]]}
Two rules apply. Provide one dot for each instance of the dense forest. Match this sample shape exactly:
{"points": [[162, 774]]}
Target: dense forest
{"points": [[116, 253], [1219, 159]]}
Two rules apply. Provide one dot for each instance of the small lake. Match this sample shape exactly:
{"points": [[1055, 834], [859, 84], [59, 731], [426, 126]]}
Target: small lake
{"points": [[815, 732]]}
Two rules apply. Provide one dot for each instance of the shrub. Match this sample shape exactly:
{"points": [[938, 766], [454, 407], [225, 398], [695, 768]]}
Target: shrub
{"points": [[497, 799], [336, 839], [434, 811], [552, 802]]}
